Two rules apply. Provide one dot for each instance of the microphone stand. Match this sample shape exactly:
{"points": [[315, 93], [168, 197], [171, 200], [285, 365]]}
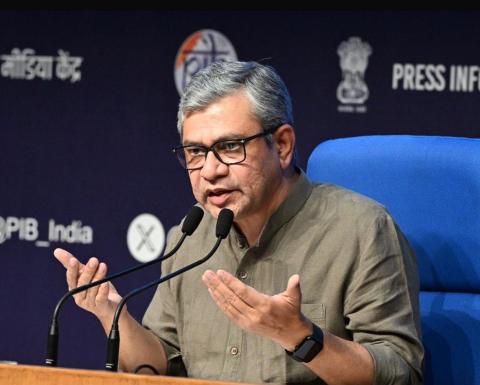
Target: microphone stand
{"points": [[190, 224], [224, 223]]}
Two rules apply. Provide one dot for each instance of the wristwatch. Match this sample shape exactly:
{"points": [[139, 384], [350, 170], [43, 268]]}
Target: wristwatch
{"points": [[306, 350]]}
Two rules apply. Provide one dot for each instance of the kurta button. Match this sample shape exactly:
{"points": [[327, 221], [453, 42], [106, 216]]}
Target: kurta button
{"points": [[234, 351]]}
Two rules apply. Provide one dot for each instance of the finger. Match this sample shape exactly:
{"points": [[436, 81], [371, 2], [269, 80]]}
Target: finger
{"points": [[228, 309], [293, 290], [102, 296], [99, 274], [63, 256], [224, 296], [87, 275], [247, 293], [72, 273]]}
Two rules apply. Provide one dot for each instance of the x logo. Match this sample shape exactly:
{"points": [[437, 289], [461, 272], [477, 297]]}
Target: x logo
{"points": [[145, 237]]}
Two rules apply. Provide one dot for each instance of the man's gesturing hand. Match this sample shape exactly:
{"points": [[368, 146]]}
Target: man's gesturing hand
{"points": [[101, 300], [276, 317]]}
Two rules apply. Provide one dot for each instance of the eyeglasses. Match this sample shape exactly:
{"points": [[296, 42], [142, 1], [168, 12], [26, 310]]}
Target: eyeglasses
{"points": [[228, 152]]}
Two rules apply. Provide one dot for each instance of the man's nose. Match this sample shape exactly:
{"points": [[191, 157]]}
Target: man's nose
{"points": [[213, 168]]}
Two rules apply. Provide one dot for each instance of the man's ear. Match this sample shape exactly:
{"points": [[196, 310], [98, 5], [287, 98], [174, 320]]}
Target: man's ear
{"points": [[285, 145]]}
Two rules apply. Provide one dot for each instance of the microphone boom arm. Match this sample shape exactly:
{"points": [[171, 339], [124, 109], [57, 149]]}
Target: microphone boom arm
{"points": [[52, 341], [114, 336]]}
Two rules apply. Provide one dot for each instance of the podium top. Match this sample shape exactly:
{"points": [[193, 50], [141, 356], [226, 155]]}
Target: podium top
{"points": [[41, 375]]}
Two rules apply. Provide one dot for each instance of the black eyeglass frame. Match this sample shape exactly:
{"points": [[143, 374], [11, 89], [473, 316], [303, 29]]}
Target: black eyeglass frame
{"points": [[179, 149]]}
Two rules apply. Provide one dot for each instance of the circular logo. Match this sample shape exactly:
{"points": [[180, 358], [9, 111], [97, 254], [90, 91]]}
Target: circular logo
{"points": [[145, 237], [198, 51]]}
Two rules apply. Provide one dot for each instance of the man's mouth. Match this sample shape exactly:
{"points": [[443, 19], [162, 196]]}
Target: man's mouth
{"points": [[218, 197]]}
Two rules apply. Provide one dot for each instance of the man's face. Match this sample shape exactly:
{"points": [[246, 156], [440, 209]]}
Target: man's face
{"points": [[247, 187]]}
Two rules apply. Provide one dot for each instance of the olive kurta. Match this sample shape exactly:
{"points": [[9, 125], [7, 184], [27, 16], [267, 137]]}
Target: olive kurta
{"points": [[358, 277]]}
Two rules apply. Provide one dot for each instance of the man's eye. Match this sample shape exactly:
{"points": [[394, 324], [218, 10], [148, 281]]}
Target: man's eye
{"points": [[195, 151], [229, 146]]}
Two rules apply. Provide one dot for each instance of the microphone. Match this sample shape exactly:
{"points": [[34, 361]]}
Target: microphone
{"points": [[189, 225], [224, 223]]}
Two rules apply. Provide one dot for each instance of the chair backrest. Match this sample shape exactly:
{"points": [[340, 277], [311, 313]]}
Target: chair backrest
{"points": [[431, 186]]}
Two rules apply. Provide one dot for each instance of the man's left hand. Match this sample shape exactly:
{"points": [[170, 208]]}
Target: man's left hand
{"points": [[277, 317]]}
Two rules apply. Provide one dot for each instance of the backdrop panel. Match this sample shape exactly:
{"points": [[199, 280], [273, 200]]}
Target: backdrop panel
{"points": [[88, 117]]}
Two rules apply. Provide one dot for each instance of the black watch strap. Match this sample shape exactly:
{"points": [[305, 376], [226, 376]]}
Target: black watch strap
{"points": [[306, 350]]}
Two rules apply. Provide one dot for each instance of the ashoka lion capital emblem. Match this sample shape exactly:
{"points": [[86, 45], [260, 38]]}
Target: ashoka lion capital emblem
{"points": [[353, 61]]}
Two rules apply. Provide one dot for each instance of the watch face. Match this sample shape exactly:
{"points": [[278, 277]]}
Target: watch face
{"points": [[305, 348], [310, 346]]}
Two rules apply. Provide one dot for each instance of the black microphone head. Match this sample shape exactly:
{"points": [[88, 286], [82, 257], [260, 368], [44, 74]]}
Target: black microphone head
{"points": [[192, 220], [224, 223]]}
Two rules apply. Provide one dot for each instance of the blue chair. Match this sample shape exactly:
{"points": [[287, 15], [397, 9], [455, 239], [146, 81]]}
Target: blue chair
{"points": [[431, 186]]}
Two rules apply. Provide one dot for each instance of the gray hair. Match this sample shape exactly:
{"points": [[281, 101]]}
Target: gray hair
{"points": [[271, 102]]}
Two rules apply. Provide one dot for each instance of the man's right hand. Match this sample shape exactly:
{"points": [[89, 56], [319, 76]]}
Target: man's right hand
{"points": [[100, 300], [138, 345]]}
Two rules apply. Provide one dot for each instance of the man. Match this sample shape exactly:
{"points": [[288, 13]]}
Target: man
{"points": [[309, 273]]}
